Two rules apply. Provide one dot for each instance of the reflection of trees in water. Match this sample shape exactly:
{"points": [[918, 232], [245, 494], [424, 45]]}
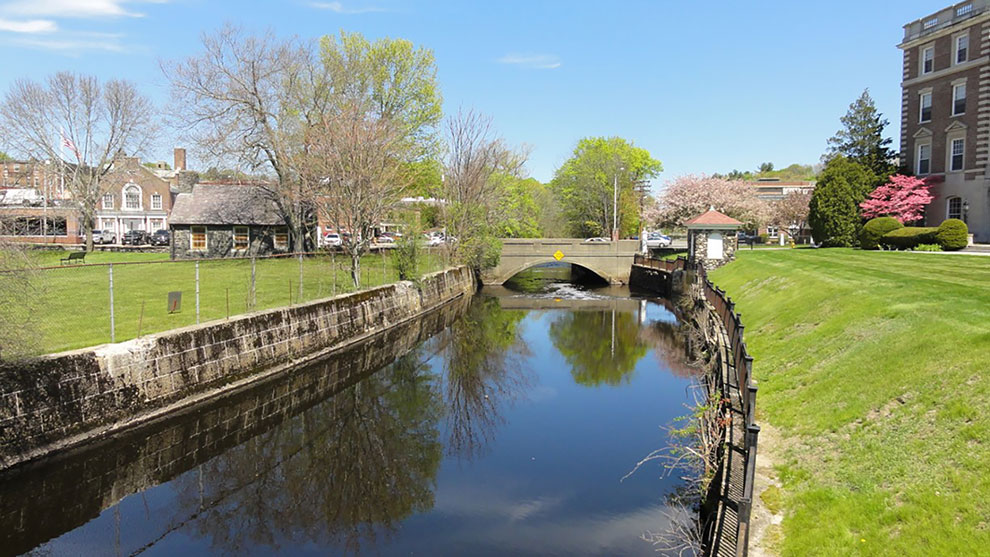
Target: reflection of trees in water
{"points": [[342, 473], [483, 369], [595, 353], [673, 347]]}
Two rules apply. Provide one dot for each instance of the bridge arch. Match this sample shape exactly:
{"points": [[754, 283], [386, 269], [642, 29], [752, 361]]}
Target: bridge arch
{"points": [[504, 273]]}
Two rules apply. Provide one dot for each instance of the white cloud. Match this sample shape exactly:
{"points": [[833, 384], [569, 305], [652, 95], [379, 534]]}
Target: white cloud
{"points": [[532, 61], [74, 44], [29, 26], [340, 9], [74, 8]]}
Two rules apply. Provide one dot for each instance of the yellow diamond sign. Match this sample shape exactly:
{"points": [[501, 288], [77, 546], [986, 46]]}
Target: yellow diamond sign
{"points": [[558, 255]]}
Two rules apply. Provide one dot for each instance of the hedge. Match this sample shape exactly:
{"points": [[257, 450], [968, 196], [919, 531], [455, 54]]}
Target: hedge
{"points": [[909, 237], [869, 236], [953, 234]]}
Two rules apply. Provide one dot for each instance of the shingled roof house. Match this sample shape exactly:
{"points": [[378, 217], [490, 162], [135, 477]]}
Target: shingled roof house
{"points": [[226, 221]]}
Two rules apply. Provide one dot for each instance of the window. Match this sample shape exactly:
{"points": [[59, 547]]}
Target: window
{"points": [[108, 201], [242, 237], [956, 160], [198, 239], [928, 60], [132, 198], [926, 107], [964, 10], [157, 224], [958, 99], [953, 208], [772, 231], [962, 48], [924, 158], [156, 201], [281, 239]]}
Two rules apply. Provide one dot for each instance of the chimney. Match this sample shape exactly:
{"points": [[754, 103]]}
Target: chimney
{"points": [[180, 159]]}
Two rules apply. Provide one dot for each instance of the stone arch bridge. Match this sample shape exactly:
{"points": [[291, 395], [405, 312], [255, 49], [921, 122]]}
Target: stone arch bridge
{"points": [[609, 260]]}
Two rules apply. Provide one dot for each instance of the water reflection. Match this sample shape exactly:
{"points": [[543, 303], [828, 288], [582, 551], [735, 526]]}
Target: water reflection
{"points": [[459, 433]]}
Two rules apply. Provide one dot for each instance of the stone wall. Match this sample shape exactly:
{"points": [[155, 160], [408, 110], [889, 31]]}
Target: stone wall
{"points": [[67, 399], [700, 239]]}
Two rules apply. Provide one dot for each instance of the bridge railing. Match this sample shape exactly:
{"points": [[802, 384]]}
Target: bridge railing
{"points": [[742, 363]]}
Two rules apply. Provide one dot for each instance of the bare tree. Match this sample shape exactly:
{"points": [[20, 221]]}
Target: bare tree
{"points": [[247, 100], [75, 113], [355, 163], [478, 164]]}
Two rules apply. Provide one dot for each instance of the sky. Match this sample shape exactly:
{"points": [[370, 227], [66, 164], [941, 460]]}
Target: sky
{"points": [[704, 87]]}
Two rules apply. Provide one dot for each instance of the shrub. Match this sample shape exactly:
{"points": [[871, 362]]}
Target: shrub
{"points": [[952, 235], [869, 237], [908, 237], [406, 255], [928, 247], [763, 239]]}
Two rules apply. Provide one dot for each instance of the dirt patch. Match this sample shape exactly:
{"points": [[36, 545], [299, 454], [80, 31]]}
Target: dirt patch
{"points": [[766, 533]]}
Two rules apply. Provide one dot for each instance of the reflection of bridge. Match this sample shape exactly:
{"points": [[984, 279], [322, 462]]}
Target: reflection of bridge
{"points": [[609, 260]]}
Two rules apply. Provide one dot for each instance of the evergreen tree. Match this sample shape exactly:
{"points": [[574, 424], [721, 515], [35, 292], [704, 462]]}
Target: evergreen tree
{"points": [[834, 208], [862, 141]]}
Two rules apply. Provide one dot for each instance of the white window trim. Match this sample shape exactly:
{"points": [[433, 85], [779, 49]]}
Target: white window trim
{"points": [[275, 242], [948, 202], [948, 159], [104, 203], [156, 197], [917, 158], [954, 89], [140, 198], [921, 59], [921, 106], [206, 238], [955, 48], [247, 232]]}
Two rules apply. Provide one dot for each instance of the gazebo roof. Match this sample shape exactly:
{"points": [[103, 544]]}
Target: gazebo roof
{"points": [[713, 219]]}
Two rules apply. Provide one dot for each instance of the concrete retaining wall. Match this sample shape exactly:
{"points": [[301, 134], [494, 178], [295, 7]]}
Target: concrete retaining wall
{"points": [[66, 399]]}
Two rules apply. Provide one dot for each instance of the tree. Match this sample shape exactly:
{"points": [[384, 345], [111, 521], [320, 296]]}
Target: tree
{"points": [[585, 185], [861, 139], [246, 100], [766, 167], [690, 195], [96, 122], [833, 211], [903, 197], [791, 210], [355, 164], [478, 170]]}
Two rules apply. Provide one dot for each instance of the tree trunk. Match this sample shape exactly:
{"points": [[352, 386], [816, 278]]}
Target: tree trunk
{"points": [[87, 225], [356, 269]]}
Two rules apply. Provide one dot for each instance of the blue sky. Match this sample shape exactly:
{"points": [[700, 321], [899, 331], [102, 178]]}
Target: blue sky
{"points": [[705, 87]]}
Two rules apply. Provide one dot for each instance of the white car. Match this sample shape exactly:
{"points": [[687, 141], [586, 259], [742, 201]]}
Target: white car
{"points": [[104, 237], [656, 240], [332, 240]]}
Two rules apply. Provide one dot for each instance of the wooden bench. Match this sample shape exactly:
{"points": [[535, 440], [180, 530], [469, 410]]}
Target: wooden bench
{"points": [[74, 257]]}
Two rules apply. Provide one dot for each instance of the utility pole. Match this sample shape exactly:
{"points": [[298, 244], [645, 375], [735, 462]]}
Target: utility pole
{"points": [[615, 204]]}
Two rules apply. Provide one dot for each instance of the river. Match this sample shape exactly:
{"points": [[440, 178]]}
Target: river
{"points": [[499, 425]]}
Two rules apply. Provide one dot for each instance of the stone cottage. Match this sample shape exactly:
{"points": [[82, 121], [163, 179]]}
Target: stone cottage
{"points": [[227, 221], [712, 239]]}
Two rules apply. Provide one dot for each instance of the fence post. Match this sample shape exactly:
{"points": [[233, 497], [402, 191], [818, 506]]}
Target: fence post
{"points": [[113, 333], [300, 297], [384, 272], [333, 272], [254, 293], [197, 292]]}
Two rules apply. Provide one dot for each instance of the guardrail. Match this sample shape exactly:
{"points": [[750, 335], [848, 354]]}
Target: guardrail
{"points": [[742, 364]]}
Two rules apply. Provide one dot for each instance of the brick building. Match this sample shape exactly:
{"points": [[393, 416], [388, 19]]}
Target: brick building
{"points": [[945, 111], [134, 198]]}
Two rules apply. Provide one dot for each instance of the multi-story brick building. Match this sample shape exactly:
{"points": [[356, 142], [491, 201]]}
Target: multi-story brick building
{"points": [[135, 198], [945, 111]]}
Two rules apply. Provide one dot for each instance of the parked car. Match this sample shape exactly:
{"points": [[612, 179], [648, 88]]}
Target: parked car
{"points": [[160, 238], [332, 240], [596, 240], [747, 238], [136, 238], [104, 237], [385, 240], [656, 240]]}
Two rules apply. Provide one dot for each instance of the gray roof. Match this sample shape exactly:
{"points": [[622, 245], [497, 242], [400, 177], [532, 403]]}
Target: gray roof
{"points": [[216, 204]]}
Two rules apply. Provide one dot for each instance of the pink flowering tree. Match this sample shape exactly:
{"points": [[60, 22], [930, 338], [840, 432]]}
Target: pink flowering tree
{"points": [[903, 197], [688, 196]]}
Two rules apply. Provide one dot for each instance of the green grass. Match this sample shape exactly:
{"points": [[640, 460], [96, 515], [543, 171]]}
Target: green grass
{"points": [[875, 366], [69, 306]]}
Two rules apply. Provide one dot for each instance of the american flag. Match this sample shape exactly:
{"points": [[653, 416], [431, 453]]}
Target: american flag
{"points": [[66, 142]]}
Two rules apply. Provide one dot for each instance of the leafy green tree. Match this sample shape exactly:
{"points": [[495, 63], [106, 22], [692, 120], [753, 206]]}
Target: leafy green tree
{"points": [[584, 185], [766, 167], [834, 209], [597, 353], [861, 139], [4, 157]]}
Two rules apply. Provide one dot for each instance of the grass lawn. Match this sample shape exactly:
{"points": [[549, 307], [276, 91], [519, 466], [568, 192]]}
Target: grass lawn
{"points": [[875, 368], [70, 305]]}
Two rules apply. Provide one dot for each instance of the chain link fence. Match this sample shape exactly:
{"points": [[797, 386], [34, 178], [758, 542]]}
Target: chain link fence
{"points": [[59, 307]]}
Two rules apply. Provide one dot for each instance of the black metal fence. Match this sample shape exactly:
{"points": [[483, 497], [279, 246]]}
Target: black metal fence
{"points": [[741, 373]]}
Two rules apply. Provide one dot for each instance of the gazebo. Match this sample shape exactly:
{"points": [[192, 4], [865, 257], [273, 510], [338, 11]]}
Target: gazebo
{"points": [[712, 238]]}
